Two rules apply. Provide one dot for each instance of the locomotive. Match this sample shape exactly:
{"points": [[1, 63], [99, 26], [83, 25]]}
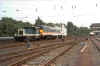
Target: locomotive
{"points": [[40, 32]]}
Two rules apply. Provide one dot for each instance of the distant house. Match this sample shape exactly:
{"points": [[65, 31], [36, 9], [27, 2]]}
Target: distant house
{"points": [[95, 27]]}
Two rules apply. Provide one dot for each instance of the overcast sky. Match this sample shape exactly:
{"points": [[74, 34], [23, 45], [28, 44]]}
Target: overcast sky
{"points": [[80, 12]]}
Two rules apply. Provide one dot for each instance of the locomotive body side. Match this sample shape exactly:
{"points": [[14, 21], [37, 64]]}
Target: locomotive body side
{"points": [[27, 32], [52, 32]]}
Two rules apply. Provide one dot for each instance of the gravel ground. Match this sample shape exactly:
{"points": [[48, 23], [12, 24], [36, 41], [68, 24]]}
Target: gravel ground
{"points": [[33, 45], [95, 55], [45, 57], [11, 50], [69, 58]]}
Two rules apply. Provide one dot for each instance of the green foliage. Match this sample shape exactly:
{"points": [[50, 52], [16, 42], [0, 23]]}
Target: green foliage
{"points": [[57, 24], [9, 26], [70, 28], [39, 22], [50, 24], [77, 31], [84, 31]]}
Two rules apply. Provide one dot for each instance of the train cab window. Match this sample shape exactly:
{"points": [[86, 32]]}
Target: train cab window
{"points": [[30, 30], [20, 32], [38, 31]]}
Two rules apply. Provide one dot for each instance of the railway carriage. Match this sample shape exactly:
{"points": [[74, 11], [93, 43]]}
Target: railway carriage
{"points": [[53, 32], [41, 32]]}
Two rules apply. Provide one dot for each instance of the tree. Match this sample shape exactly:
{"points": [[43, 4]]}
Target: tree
{"points": [[58, 24], [84, 31], [9, 26], [70, 28], [39, 22], [51, 24]]}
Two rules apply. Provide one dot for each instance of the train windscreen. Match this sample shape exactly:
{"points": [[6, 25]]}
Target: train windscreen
{"points": [[30, 30]]}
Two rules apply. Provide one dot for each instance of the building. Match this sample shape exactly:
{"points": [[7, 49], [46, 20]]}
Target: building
{"points": [[95, 27]]}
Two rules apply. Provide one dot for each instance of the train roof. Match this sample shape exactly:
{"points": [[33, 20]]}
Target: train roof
{"points": [[42, 26], [32, 27]]}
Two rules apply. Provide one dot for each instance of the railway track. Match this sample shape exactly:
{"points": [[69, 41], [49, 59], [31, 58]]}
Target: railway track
{"points": [[96, 51], [12, 44], [25, 50], [95, 42], [50, 62], [22, 48], [26, 54]]}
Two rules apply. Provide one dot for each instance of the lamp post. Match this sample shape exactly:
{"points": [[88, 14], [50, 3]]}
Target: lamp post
{"points": [[61, 8]]}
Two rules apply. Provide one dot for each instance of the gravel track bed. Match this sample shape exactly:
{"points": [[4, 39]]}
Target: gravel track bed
{"points": [[45, 57], [95, 54], [33, 45], [69, 58], [45, 50]]}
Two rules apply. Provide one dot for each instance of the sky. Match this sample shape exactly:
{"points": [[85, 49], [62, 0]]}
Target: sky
{"points": [[80, 12]]}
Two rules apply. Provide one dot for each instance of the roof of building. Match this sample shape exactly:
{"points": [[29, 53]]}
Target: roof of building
{"points": [[95, 25]]}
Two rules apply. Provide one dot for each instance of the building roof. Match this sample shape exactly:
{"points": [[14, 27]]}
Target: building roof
{"points": [[95, 25]]}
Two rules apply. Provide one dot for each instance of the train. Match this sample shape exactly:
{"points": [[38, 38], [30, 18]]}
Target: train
{"points": [[41, 32]]}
